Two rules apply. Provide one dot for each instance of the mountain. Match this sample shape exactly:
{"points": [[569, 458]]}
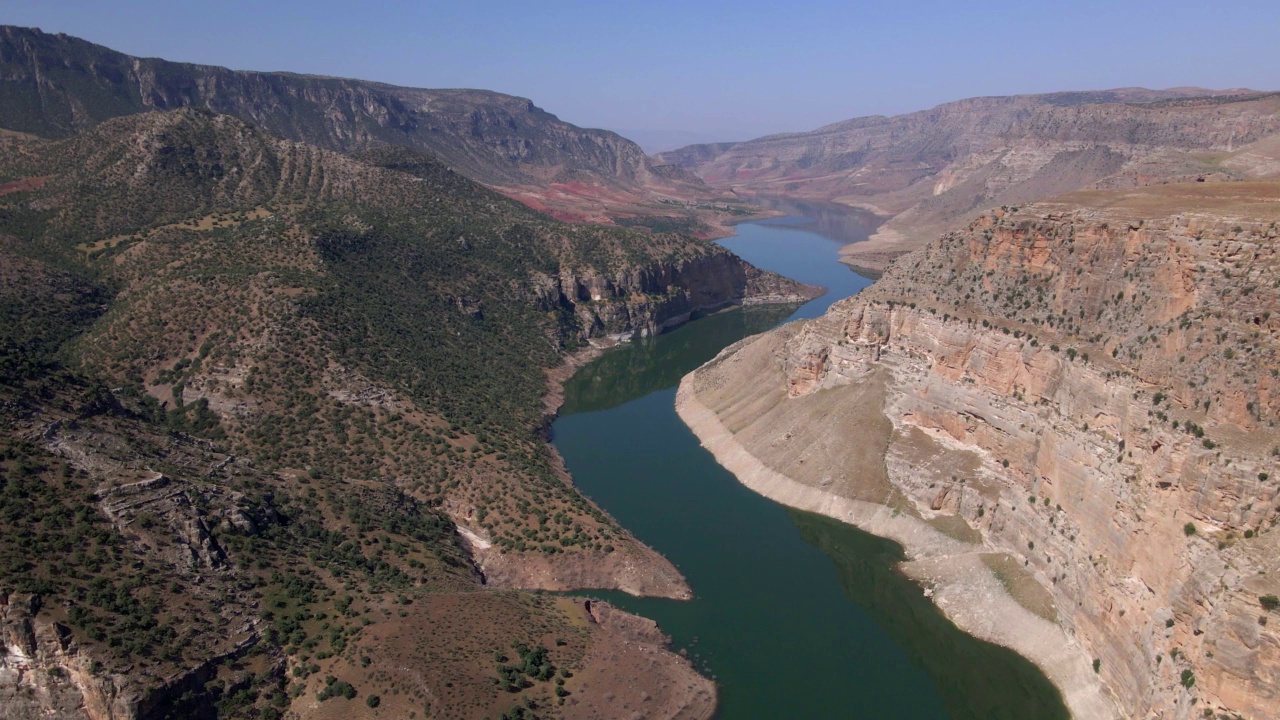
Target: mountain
{"points": [[57, 85], [930, 171], [657, 141], [1067, 414], [290, 404]]}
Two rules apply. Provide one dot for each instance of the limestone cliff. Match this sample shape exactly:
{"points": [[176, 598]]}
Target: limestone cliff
{"points": [[1076, 398], [644, 299]]}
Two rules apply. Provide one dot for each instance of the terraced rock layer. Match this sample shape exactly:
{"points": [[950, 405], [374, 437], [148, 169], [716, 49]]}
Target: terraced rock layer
{"points": [[1067, 414]]}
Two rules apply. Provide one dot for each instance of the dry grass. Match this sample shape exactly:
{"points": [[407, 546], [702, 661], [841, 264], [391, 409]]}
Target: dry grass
{"points": [[1020, 585], [956, 527], [1259, 200]]}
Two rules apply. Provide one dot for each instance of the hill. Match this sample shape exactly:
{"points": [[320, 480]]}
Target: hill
{"points": [[295, 400]]}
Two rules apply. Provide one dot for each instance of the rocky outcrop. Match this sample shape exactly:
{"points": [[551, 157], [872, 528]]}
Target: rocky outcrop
{"points": [[52, 665], [644, 300], [44, 674], [1085, 386]]}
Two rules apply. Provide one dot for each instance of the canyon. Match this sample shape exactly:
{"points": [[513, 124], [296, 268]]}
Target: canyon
{"points": [[280, 356], [1065, 413]]}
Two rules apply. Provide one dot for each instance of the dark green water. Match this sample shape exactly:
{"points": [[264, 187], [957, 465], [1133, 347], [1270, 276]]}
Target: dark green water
{"points": [[796, 616]]}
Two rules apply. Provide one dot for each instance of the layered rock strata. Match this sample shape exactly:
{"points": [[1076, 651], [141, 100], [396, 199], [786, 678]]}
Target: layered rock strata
{"points": [[644, 300], [1067, 414]]}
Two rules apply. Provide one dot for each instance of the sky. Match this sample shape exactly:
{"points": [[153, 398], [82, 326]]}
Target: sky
{"points": [[693, 71]]}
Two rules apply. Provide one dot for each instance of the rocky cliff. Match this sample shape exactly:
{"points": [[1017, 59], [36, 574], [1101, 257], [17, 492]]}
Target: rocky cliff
{"points": [[57, 85], [929, 171], [642, 301], [1067, 414]]}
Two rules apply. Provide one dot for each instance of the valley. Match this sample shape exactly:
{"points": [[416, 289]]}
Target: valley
{"points": [[260, 397], [325, 398], [815, 609], [931, 171]]}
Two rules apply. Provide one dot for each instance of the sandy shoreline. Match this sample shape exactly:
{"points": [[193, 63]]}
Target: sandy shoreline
{"points": [[966, 591]]}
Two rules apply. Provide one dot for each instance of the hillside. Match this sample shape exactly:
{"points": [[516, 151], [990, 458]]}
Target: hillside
{"points": [[295, 400], [57, 85], [931, 171], [1067, 414]]}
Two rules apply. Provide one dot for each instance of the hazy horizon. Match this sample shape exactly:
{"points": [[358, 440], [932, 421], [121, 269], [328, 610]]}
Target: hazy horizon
{"points": [[715, 72]]}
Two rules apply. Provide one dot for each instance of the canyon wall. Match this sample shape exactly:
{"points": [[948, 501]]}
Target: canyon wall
{"points": [[1082, 394], [645, 299]]}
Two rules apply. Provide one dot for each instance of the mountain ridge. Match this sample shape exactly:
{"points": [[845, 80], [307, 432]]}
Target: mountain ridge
{"points": [[57, 85], [931, 170]]}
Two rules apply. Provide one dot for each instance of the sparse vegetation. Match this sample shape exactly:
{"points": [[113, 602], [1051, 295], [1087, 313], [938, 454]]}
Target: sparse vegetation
{"points": [[297, 361]]}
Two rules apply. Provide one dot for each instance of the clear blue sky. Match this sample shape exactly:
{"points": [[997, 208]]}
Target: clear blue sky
{"points": [[728, 70]]}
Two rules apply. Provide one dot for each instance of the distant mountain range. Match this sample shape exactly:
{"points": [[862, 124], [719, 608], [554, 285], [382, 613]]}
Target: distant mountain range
{"points": [[930, 170], [658, 141]]}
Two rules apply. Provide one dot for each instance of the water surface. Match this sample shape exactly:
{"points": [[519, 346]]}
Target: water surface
{"points": [[795, 615]]}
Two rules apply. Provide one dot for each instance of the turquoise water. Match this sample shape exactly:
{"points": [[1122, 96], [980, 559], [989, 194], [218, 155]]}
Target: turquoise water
{"points": [[795, 615]]}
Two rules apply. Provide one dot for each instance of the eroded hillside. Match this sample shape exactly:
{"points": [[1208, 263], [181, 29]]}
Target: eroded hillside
{"points": [[1067, 414], [294, 400], [55, 86]]}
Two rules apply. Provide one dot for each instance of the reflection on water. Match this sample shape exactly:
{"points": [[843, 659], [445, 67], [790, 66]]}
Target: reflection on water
{"points": [[830, 220], [644, 366], [795, 616], [976, 680]]}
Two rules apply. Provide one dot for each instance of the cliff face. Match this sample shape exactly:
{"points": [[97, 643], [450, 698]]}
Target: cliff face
{"points": [[641, 301], [1084, 393], [933, 169]]}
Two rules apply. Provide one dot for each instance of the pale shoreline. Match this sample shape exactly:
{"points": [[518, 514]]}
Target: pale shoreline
{"points": [[963, 588]]}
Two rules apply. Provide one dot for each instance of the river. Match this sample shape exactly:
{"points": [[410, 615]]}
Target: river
{"points": [[795, 615]]}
